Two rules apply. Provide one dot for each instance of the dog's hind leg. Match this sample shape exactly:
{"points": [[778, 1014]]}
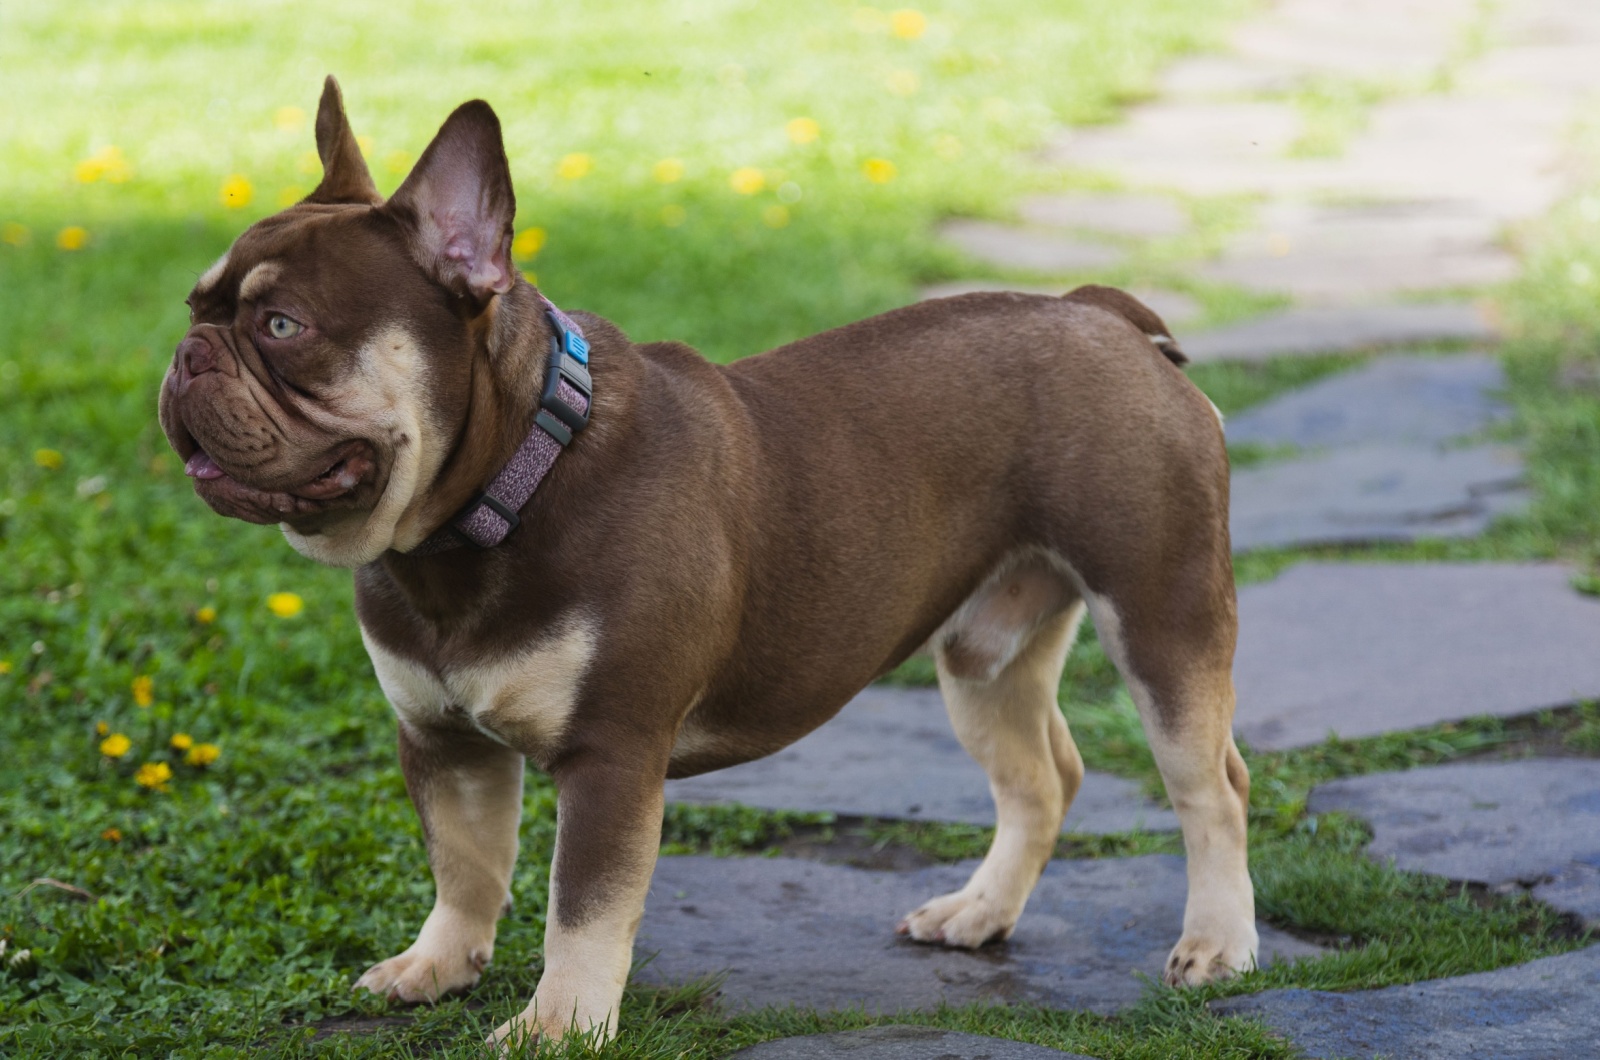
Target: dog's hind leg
{"points": [[999, 661]]}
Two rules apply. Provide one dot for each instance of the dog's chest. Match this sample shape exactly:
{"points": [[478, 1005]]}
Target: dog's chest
{"points": [[524, 699]]}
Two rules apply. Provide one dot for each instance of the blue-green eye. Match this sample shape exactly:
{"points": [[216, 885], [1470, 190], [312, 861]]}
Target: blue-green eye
{"points": [[281, 327]]}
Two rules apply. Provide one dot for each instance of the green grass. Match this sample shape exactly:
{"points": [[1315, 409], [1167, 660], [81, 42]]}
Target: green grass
{"points": [[227, 914]]}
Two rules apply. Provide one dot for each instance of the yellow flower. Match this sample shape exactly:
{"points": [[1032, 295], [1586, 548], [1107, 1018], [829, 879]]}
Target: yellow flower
{"points": [[903, 83], [528, 243], [803, 130], [775, 216], [668, 170], [15, 235], [115, 746], [143, 690], [673, 215], [101, 728], [206, 615], [112, 835], [879, 170], [397, 162], [203, 754], [72, 237], [237, 191], [106, 163], [285, 605], [290, 195], [908, 24], [181, 741], [49, 459], [746, 180], [573, 166], [153, 775], [288, 119]]}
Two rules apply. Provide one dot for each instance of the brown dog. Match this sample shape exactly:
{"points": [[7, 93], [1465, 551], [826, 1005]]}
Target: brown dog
{"points": [[720, 560]]}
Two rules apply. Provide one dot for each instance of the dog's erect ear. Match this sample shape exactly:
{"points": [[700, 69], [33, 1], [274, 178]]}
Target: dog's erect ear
{"points": [[458, 205], [344, 172]]}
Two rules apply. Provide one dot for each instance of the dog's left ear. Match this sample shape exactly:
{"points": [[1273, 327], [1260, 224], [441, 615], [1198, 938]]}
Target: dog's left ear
{"points": [[345, 177], [458, 205]]}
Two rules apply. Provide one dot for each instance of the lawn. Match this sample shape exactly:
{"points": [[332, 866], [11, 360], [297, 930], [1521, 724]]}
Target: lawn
{"points": [[734, 174]]}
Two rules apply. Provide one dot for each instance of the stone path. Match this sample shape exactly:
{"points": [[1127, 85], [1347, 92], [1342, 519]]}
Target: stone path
{"points": [[1487, 822], [1542, 1010], [899, 1042], [822, 936], [842, 768], [1360, 649], [1352, 329]]}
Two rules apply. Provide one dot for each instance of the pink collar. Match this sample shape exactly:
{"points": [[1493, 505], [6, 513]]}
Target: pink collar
{"points": [[563, 412]]}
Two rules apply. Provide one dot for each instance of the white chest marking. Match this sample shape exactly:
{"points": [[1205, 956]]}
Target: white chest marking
{"points": [[524, 701]]}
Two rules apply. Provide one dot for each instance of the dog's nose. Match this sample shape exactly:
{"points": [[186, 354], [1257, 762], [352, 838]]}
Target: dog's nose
{"points": [[196, 355]]}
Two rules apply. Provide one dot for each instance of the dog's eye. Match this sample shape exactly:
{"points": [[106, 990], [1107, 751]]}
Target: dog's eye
{"points": [[281, 327]]}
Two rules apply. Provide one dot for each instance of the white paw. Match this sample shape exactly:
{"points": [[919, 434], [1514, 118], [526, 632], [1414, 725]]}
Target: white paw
{"points": [[418, 975], [963, 920], [1204, 958]]}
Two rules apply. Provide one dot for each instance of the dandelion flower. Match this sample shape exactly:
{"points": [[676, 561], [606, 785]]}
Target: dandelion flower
{"points": [[115, 746], [105, 164], [153, 775], [143, 690], [206, 615], [746, 180], [72, 237], [101, 728], [668, 170], [203, 754], [112, 835], [285, 605], [13, 234], [574, 166], [181, 741], [879, 170], [237, 191], [908, 24], [802, 130], [49, 459], [528, 243], [288, 119]]}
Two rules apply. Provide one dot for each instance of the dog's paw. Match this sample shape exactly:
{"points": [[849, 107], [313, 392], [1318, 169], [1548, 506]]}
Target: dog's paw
{"points": [[418, 975], [1204, 958], [961, 920]]}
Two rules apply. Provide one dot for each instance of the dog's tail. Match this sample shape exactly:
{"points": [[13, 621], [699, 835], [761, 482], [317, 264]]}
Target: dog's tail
{"points": [[1134, 312]]}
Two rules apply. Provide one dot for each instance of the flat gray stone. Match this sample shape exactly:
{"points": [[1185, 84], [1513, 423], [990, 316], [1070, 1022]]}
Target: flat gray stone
{"points": [[1542, 1010], [841, 768], [1360, 649], [1296, 332], [1201, 147], [1372, 493], [899, 1042], [1012, 247], [1174, 307], [1533, 821], [1418, 400], [822, 936], [1146, 216]]}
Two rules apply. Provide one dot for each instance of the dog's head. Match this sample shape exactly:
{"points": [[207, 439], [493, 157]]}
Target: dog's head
{"points": [[327, 367]]}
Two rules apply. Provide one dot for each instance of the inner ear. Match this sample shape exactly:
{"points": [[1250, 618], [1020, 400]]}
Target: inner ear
{"points": [[457, 205], [345, 178]]}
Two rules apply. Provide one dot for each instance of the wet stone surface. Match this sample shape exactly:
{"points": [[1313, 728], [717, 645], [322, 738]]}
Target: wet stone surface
{"points": [[822, 936], [890, 753], [1360, 649], [899, 1042]]}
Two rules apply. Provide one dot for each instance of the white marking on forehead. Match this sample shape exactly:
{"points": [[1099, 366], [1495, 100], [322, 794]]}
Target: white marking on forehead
{"points": [[257, 280], [209, 278]]}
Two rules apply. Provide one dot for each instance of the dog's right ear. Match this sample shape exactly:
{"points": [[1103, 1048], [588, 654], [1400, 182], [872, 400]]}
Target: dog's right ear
{"points": [[345, 178]]}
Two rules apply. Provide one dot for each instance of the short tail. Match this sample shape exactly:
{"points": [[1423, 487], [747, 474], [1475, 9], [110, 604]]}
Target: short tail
{"points": [[1134, 312]]}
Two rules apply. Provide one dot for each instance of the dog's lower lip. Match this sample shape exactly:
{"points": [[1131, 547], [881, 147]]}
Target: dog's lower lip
{"points": [[201, 466]]}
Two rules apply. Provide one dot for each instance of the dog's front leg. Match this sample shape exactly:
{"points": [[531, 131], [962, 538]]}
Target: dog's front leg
{"points": [[608, 833], [468, 791]]}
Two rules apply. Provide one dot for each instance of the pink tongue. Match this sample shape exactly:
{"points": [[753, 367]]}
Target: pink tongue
{"points": [[201, 466]]}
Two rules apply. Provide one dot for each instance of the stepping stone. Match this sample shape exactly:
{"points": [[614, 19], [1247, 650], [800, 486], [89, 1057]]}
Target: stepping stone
{"points": [[1352, 252], [1536, 1011], [890, 753], [1010, 247], [1531, 822], [1418, 400], [822, 936], [899, 1042], [1374, 493], [1360, 649], [1146, 216], [1211, 76], [1303, 331], [1173, 307]]}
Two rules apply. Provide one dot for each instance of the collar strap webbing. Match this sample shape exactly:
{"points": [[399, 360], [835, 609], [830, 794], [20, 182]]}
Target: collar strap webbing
{"points": [[563, 412]]}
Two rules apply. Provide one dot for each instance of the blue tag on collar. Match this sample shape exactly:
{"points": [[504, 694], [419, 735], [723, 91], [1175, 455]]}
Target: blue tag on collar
{"points": [[576, 345]]}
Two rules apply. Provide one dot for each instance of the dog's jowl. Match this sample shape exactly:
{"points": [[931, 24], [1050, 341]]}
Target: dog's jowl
{"points": [[624, 563]]}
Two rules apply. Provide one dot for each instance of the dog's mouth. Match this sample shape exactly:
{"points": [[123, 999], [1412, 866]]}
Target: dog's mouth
{"points": [[349, 467]]}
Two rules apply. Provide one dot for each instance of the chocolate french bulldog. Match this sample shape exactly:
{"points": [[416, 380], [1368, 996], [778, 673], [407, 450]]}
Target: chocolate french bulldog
{"points": [[625, 563]]}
